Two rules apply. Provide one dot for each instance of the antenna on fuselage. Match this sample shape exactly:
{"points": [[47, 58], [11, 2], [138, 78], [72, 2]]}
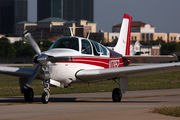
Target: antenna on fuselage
{"points": [[88, 34], [71, 30]]}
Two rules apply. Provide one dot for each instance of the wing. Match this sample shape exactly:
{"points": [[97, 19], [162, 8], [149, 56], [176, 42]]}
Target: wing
{"points": [[14, 71], [132, 71], [141, 59]]}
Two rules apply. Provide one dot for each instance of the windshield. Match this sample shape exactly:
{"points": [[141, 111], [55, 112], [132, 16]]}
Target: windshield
{"points": [[98, 47], [66, 42]]}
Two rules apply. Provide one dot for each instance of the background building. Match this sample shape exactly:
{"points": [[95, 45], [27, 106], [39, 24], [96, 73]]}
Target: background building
{"points": [[144, 32], [101, 37], [137, 49], [78, 9], [49, 8], [2, 36], [66, 9], [54, 26], [139, 31], [11, 12]]}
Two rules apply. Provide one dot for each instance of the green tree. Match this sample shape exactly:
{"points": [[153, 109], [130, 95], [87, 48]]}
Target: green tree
{"points": [[46, 44], [153, 42], [25, 51], [159, 41], [177, 47], [7, 49], [18, 44], [166, 48]]}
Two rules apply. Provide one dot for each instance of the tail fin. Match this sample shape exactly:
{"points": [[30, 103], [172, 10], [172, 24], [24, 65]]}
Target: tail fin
{"points": [[123, 43]]}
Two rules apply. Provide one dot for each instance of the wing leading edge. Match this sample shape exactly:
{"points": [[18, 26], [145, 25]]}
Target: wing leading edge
{"points": [[132, 71], [14, 71]]}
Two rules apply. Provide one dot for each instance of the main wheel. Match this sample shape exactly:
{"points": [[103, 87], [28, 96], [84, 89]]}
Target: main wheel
{"points": [[28, 95], [45, 98], [116, 95]]}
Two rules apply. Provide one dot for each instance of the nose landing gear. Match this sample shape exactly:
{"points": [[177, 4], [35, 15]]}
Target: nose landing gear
{"points": [[46, 94]]}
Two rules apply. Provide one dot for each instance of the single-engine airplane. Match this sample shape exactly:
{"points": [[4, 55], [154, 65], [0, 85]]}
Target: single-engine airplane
{"points": [[76, 59]]}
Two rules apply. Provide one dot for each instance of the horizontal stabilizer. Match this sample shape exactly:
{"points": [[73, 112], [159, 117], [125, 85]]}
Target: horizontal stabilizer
{"points": [[145, 59]]}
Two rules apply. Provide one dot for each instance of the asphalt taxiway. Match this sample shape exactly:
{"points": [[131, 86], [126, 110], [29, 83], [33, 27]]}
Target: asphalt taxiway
{"points": [[97, 106]]}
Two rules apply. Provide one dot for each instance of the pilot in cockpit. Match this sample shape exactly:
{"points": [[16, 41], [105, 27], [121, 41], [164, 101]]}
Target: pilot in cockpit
{"points": [[86, 47]]}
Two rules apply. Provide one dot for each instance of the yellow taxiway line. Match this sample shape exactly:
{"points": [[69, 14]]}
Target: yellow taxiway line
{"points": [[81, 100]]}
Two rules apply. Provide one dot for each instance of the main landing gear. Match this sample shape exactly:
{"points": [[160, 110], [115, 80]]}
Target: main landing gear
{"points": [[116, 95], [29, 94]]}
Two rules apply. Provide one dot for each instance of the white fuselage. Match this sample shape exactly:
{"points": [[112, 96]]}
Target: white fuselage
{"points": [[64, 71], [80, 54]]}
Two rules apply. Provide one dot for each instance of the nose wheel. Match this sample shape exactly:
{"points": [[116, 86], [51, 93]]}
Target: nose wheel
{"points": [[45, 97], [46, 94]]}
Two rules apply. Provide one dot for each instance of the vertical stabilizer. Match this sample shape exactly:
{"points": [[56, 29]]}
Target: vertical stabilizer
{"points": [[123, 43]]}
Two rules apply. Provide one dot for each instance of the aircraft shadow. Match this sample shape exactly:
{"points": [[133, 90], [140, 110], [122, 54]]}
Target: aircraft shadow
{"points": [[142, 101], [12, 100], [94, 101]]}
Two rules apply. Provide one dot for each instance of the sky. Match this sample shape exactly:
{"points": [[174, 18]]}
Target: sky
{"points": [[164, 15]]}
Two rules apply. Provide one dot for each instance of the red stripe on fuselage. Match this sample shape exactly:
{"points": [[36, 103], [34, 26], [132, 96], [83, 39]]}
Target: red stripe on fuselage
{"points": [[101, 62]]}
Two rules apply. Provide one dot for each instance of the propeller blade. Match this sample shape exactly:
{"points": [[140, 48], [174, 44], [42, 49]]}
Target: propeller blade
{"points": [[32, 42], [33, 76]]}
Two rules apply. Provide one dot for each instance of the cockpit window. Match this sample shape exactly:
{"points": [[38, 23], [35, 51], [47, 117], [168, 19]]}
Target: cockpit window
{"points": [[99, 48], [86, 47], [66, 42]]}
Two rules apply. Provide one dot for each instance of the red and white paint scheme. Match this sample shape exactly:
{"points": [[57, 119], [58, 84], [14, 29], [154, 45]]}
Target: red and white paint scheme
{"points": [[123, 44], [83, 54], [75, 59]]}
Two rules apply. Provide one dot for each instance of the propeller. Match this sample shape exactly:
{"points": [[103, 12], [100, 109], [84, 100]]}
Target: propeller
{"points": [[41, 57]]}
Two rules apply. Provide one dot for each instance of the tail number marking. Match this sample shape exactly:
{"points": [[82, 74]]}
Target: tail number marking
{"points": [[114, 63]]}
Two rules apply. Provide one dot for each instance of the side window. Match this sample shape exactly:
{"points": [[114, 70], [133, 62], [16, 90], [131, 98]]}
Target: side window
{"points": [[104, 50], [86, 47]]}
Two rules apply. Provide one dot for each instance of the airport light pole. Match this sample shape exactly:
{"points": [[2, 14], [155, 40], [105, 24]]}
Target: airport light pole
{"points": [[41, 40]]}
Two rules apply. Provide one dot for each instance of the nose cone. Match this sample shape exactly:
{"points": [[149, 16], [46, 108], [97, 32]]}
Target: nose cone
{"points": [[42, 58]]}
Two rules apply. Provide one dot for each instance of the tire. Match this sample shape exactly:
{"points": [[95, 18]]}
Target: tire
{"points": [[116, 95], [28, 95], [45, 98]]}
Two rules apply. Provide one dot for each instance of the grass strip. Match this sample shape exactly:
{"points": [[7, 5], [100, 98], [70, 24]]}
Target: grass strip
{"points": [[9, 85], [169, 111]]}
